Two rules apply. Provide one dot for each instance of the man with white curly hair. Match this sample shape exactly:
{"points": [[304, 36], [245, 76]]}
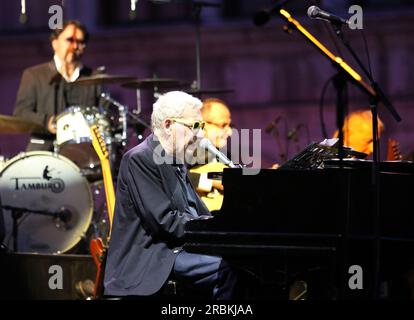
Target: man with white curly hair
{"points": [[154, 200]]}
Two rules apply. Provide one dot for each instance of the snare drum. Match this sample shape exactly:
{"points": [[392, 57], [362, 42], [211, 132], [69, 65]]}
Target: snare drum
{"points": [[53, 186], [73, 137]]}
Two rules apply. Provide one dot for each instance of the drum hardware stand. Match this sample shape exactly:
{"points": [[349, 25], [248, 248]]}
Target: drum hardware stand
{"points": [[156, 94], [126, 113], [123, 111], [138, 109], [55, 148], [17, 213], [139, 120]]}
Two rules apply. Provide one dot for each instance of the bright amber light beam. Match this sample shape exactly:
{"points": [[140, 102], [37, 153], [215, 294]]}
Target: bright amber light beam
{"points": [[315, 41]]}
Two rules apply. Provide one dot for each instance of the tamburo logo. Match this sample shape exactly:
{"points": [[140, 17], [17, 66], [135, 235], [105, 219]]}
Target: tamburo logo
{"points": [[56, 185]]}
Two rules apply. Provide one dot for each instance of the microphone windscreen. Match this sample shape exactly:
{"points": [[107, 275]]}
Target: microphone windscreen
{"points": [[205, 143], [313, 11]]}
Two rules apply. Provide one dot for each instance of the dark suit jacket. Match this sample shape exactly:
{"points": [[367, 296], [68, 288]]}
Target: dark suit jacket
{"points": [[37, 97], [151, 210]]}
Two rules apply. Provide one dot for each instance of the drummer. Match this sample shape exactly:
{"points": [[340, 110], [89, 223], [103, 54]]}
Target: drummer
{"points": [[45, 89]]}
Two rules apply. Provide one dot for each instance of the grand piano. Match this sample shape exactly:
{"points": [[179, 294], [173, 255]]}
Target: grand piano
{"points": [[311, 225]]}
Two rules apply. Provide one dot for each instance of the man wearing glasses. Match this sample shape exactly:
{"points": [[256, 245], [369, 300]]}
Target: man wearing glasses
{"points": [[218, 129], [45, 89], [154, 200]]}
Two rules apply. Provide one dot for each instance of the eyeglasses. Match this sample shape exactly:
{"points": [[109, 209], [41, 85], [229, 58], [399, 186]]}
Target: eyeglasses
{"points": [[196, 125], [73, 40]]}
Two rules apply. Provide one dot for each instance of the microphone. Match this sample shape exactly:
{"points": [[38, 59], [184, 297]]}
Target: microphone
{"points": [[62, 218], [206, 144], [133, 10], [315, 12], [271, 126], [294, 132], [23, 14], [263, 16], [65, 214]]}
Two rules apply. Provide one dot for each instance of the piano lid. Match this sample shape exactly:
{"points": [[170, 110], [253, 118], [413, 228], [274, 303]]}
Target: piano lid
{"points": [[326, 202]]}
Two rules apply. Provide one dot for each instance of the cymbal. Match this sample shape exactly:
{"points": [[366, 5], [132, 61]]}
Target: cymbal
{"points": [[196, 91], [152, 83], [101, 79], [11, 125]]}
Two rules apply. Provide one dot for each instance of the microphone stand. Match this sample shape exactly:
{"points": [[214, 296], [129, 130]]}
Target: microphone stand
{"points": [[375, 172], [346, 73], [197, 7], [197, 14], [16, 213], [340, 84]]}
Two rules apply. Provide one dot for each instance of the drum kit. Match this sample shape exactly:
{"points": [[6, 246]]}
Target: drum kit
{"points": [[52, 201]]}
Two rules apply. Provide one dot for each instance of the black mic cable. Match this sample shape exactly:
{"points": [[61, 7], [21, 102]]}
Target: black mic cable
{"points": [[263, 16]]}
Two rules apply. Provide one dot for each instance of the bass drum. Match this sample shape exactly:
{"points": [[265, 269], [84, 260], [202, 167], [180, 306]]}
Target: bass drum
{"points": [[53, 187]]}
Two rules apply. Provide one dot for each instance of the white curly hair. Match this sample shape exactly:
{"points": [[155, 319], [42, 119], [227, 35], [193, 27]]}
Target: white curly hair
{"points": [[172, 105]]}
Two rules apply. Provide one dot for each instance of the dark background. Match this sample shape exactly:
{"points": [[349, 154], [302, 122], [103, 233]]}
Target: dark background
{"points": [[272, 73]]}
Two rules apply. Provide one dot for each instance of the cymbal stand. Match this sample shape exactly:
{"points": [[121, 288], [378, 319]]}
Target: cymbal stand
{"points": [[156, 94], [138, 109]]}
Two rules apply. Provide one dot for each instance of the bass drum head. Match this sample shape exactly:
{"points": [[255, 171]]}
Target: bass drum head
{"points": [[53, 185]]}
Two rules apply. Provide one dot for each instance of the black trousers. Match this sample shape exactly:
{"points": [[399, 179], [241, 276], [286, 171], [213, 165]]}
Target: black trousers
{"points": [[208, 273]]}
